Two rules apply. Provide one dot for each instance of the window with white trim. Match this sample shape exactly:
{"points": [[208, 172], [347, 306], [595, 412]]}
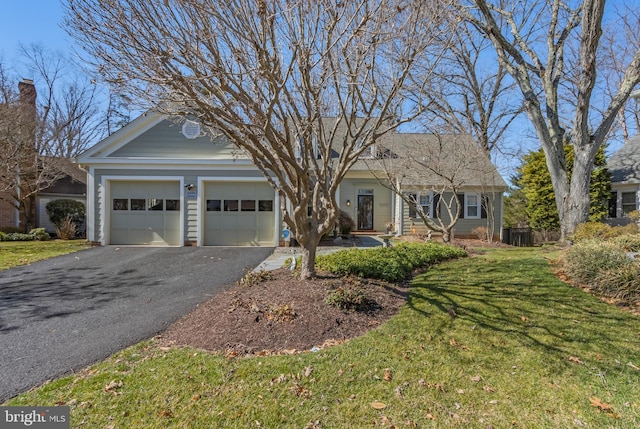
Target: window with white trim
{"points": [[628, 203], [472, 208], [425, 201]]}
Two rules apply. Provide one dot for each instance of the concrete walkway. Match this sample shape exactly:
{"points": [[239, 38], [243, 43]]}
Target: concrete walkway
{"points": [[280, 255]]}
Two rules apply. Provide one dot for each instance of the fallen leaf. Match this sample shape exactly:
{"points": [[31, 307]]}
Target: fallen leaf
{"points": [[633, 366], [597, 402], [460, 391], [113, 385], [165, 413], [575, 359], [476, 378], [195, 397], [430, 416], [307, 371], [387, 374], [488, 389], [378, 405], [524, 319]]}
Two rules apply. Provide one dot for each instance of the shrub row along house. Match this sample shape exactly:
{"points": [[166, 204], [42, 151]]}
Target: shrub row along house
{"points": [[164, 182]]}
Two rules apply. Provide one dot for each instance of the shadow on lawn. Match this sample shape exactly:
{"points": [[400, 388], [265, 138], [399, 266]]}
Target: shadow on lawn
{"points": [[518, 297]]}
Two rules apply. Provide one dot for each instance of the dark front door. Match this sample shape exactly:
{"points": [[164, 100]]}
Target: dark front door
{"points": [[365, 212]]}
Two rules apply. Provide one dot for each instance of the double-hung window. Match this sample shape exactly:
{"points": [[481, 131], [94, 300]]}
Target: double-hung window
{"points": [[424, 201], [472, 209]]}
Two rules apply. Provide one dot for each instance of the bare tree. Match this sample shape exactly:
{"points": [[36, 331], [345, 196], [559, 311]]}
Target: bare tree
{"points": [[471, 93], [68, 112], [429, 171], [267, 74], [619, 45], [551, 48], [38, 128]]}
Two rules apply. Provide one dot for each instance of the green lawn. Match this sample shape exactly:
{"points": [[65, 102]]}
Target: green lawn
{"points": [[490, 341], [16, 253]]}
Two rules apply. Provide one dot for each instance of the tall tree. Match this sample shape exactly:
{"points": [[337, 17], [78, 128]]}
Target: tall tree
{"points": [[471, 93], [267, 74], [42, 121], [552, 49]]}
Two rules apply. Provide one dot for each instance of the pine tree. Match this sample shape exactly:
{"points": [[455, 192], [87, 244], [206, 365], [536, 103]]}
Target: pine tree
{"points": [[534, 181]]}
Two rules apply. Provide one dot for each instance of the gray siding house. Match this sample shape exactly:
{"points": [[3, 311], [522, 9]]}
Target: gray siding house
{"points": [[162, 182], [624, 166]]}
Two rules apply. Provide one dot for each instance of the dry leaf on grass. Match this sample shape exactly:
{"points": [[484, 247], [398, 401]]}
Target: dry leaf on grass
{"points": [[378, 405], [575, 359], [387, 374]]}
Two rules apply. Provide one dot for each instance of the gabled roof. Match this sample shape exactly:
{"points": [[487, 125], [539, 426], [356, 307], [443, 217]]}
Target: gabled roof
{"points": [[624, 165], [422, 159]]}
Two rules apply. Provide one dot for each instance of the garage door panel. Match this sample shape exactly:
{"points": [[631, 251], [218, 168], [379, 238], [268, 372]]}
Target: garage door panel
{"points": [[139, 213], [246, 227]]}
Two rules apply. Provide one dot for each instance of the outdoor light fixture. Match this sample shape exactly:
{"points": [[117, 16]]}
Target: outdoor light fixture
{"points": [[190, 186], [348, 203]]}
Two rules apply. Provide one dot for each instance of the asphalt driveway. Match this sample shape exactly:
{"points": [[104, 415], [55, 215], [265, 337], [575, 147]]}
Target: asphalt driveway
{"points": [[60, 315]]}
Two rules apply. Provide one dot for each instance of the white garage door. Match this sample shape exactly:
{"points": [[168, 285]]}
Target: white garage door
{"points": [[145, 212], [239, 214]]}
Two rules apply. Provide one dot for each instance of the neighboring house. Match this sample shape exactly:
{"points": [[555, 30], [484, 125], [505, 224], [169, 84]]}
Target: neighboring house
{"points": [[72, 185], [70, 180], [624, 166], [156, 182]]}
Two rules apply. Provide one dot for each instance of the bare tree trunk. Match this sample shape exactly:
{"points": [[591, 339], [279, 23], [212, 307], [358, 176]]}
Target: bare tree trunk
{"points": [[308, 268], [576, 203], [446, 235], [309, 242]]}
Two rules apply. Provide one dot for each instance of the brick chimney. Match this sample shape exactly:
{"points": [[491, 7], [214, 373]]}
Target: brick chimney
{"points": [[28, 98]]}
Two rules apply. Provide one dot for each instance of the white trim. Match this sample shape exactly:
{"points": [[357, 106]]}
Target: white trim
{"points": [[200, 200], [106, 198], [467, 205], [90, 212], [171, 163], [123, 136]]}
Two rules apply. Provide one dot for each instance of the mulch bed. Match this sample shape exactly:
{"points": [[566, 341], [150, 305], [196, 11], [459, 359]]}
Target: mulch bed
{"points": [[282, 314]]}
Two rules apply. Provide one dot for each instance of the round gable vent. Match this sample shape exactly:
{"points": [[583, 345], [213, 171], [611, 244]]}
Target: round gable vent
{"points": [[191, 129]]}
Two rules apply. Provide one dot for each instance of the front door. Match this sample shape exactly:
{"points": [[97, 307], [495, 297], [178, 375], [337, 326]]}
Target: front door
{"points": [[365, 212]]}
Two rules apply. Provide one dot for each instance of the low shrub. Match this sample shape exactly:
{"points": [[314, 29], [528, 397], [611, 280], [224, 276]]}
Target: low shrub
{"points": [[60, 211], [40, 234], [621, 282], [599, 230], [35, 234], [387, 263], [481, 232], [586, 259], [590, 230], [18, 236], [628, 242], [345, 223], [346, 298], [66, 228]]}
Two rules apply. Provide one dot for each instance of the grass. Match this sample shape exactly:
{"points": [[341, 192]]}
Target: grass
{"points": [[490, 341], [16, 253]]}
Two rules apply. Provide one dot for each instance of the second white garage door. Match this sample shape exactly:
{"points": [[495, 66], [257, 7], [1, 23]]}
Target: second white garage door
{"points": [[145, 212], [239, 214]]}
